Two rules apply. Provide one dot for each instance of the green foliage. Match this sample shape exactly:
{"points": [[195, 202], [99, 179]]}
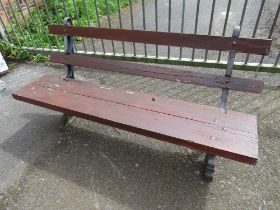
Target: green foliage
{"points": [[35, 32], [20, 53]]}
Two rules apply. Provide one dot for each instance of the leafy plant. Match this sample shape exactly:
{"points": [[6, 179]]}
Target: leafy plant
{"points": [[20, 53], [34, 32]]}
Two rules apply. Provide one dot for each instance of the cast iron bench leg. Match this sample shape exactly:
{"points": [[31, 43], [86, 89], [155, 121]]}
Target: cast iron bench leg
{"points": [[66, 120], [209, 167]]}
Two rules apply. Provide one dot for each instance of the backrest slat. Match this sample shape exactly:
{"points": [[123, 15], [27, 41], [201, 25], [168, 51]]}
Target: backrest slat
{"points": [[164, 73], [219, 43]]}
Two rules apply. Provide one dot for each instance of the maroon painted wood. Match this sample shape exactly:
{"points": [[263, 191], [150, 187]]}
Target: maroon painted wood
{"points": [[155, 103], [196, 78], [244, 45], [195, 126]]}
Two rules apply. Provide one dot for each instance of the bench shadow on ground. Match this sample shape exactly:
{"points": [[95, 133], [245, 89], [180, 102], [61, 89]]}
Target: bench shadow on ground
{"points": [[131, 174]]}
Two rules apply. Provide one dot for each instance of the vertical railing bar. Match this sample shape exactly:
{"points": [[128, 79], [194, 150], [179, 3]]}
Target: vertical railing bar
{"points": [[225, 26], [88, 23], [42, 23], [120, 21], [132, 24], [169, 25], [18, 24], [79, 23], [182, 24], [35, 25], [24, 20], [144, 24], [226, 19], [65, 9], [5, 30], [50, 20], [67, 14], [210, 25], [56, 12], [109, 22], [243, 14], [98, 22], [10, 23], [3, 25], [272, 28], [156, 20], [3, 36], [256, 26], [196, 22]]}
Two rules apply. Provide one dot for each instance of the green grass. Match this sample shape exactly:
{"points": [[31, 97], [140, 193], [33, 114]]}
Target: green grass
{"points": [[39, 35], [14, 51]]}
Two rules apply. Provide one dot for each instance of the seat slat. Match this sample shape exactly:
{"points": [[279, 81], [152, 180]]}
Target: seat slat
{"points": [[196, 78], [233, 121], [244, 45], [125, 112]]}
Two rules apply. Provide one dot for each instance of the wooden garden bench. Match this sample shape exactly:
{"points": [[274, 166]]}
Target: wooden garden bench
{"points": [[212, 130]]}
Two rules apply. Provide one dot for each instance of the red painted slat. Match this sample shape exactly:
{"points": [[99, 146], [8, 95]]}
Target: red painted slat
{"points": [[203, 79], [244, 45], [235, 122], [175, 129]]}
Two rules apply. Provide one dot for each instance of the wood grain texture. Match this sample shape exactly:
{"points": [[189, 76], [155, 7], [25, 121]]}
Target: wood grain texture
{"points": [[146, 70], [243, 45], [232, 135]]}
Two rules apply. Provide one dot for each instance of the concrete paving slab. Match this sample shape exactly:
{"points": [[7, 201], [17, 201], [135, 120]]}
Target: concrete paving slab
{"points": [[92, 166]]}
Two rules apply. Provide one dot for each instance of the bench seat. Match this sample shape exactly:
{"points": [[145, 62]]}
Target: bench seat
{"points": [[233, 135]]}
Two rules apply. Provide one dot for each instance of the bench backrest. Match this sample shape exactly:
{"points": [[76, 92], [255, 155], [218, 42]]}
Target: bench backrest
{"points": [[219, 43], [232, 44]]}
